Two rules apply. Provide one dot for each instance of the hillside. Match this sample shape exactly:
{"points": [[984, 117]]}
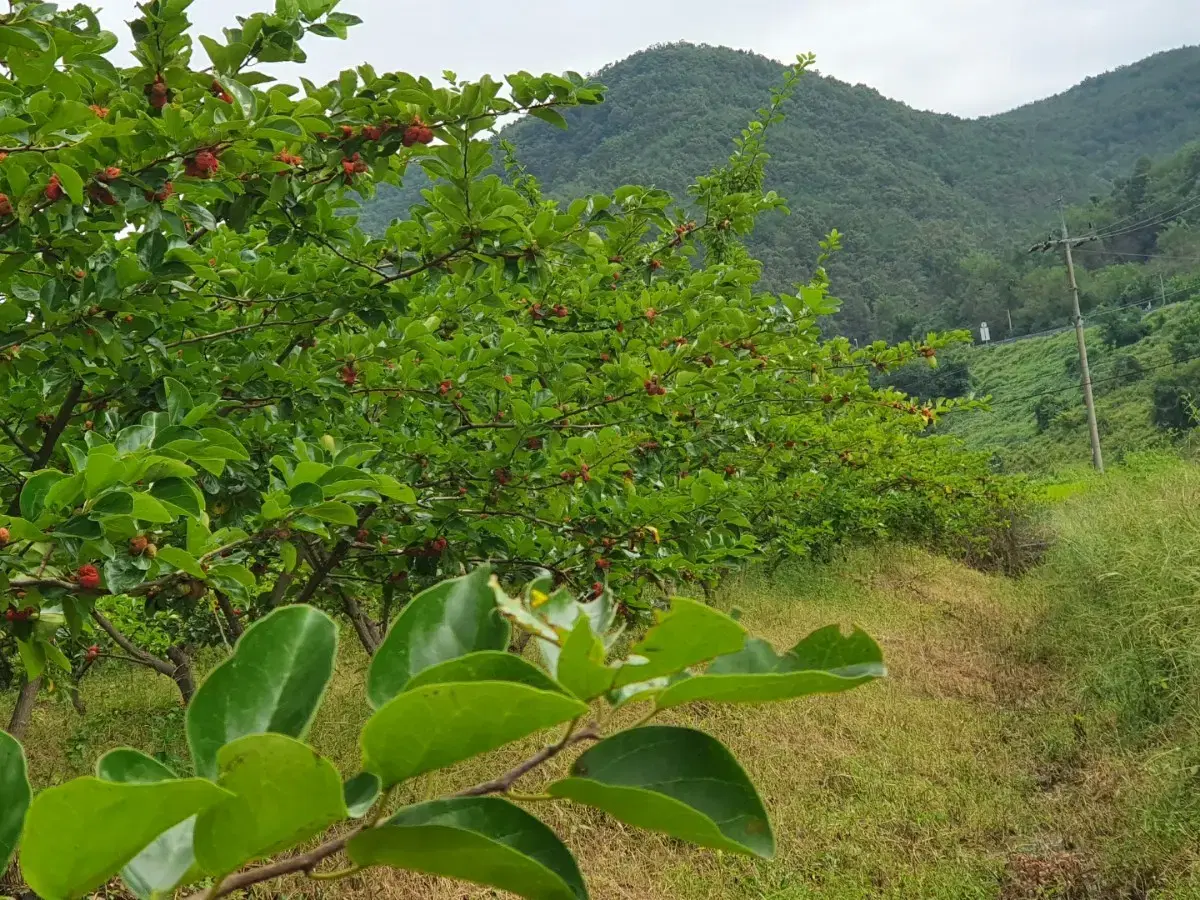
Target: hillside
{"points": [[914, 192]]}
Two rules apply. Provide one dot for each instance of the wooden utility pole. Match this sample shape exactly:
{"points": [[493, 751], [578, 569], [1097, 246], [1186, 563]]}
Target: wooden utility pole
{"points": [[1085, 372]]}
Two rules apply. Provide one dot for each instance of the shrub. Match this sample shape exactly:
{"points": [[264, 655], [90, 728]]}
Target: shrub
{"points": [[1175, 398], [1124, 328]]}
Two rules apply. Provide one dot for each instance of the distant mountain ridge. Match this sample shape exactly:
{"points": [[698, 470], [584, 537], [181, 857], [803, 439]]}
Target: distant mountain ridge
{"points": [[914, 192]]}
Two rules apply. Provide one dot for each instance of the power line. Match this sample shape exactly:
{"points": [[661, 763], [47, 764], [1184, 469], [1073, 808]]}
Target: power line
{"points": [[1146, 256], [1148, 222], [1178, 362]]}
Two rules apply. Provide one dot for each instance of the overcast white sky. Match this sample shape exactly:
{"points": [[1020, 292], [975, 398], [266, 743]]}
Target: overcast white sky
{"points": [[969, 57]]}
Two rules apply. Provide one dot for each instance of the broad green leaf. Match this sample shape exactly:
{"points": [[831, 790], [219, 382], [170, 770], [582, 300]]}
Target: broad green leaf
{"points": [[437, 725], [147, 509], [179, 400], [581, 669], [825, 662], [679, 781], [361, 792], [66, 852], [181, 560], [284, 794], [274, 682], [484, 840], [179, 495], [485, 665], [64, 493], [21, 530], [101, 471], [14, 795], [135, 437], [114, 503], [70, 181], [168, 860], [336, 512], [33, 493], [446, 621], [689, 634]]}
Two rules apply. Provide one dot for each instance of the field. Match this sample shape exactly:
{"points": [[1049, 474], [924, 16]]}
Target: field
{"points": [[1019, 375], [1036, 738]]}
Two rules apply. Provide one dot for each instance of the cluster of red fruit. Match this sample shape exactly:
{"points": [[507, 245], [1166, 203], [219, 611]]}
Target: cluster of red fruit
{"points": [[5, 536], [19, 615], [349, 375], [158, 92], [98, 192], [100, 111], [163, 193], [653, 388], [353, 165], [142, 546], [289, 159], [5, 206], [88, 577], [680, 231], [54, 190], [204, 164], [537, 311], [434, 547], [417, 132]]}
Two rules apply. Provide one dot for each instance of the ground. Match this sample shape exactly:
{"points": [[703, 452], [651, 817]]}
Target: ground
{"points": [[966, 774]]}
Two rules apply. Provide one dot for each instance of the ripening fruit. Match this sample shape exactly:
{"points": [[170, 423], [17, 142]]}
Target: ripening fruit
{"points": [[4, 536], [54, 190], [561, 311], [372, 132], [347, 132], [651, 314], [158, 92], [89, 577], [163, 193], [349, 375], [361, 535], [417, 133], [92, 652], [602, 563], [203, 165], [444, 387], [100, 111], [220, 92], [655, 264], [5, 205], [138, 545], [109, 175], [508, 379], [102, 195]]}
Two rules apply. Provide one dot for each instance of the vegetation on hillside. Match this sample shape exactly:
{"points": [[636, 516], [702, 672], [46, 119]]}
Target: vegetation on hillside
{"points": [[914, 193]]}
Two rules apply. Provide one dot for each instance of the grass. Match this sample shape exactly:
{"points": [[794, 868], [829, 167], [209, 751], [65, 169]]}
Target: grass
{"points": [[1012, 374], [1036, 739]]}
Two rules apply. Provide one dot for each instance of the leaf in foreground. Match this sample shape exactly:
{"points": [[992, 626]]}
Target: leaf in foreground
{"points": [[14, 795], [485, 840], [679, 781]]}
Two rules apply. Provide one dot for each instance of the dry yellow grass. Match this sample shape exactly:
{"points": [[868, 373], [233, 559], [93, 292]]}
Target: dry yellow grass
{"points": [[943, 781]]}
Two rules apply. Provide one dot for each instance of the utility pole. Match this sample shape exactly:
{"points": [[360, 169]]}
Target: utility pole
{"points": [[1085, 372], [1162, 291]]}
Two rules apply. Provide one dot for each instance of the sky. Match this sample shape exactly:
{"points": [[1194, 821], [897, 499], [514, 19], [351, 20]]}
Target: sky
{"points": [[967, 57]]}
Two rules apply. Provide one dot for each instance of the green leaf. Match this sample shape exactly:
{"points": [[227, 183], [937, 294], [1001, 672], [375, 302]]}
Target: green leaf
{"points": [[274, 682], [448, 620], [678, 781], [437, 725], [284, 794], [33, 494], [581, 669], [485, 840], [689, 634], [179, 400], [181, 560], [147, 509], [114, 503], [168, 860], [179, 495], [553, 116], [70, 180], [825, 662], [361, 792], [336, 512], [134, 438], [65, 493], [14, 795], [101, 471], [486, 665], [65, 853]]}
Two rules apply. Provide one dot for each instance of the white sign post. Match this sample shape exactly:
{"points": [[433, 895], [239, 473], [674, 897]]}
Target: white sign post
{"points": [[984, 334]]}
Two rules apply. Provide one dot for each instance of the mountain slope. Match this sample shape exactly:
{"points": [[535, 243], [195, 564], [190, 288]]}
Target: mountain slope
{"points": [[914, 192]]}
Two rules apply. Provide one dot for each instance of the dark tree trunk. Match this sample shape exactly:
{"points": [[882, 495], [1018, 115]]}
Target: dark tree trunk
{"points": [[363, 626], [182, 674], [23, 711], [231, 619]]}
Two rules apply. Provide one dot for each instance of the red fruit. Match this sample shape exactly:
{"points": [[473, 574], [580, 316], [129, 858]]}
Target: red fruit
{"points": [[462, 491], [349, 375], [362, 535], [604, 357], [620, 327], [100, 111], [128, 319], [89, 577], [347, 132], [534, 443], [655, 264], [927, 352], [503, 476], [353, 165], [561, 311], [372, 132], [827, 398], [220, 92], [584, 472], [508, 379], [4, 536], [158, 92], [10, 614], [439, 544], [417, 133], [203, 165], [54, 190], [100, 194], [444, 387], [730, 471], [597, 589], [109, 175], [238, 612], [616, 276], [651, 314], [92, 652], [163, 193], [536, 311], [5, 205], [568, 475], [289, 159], [602, 563], [138, 545]]}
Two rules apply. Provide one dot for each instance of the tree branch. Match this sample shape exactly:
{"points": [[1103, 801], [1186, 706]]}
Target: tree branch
{"points": [[333, 560], [16, 440], [53, 433], [503, 783], [158, 665]]}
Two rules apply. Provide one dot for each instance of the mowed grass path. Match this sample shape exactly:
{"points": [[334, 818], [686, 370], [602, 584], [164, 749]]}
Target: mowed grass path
{"points": [[963, 775]]}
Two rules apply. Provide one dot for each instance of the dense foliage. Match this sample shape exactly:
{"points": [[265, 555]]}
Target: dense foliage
{"points": [[225, 403], [914, 193]]}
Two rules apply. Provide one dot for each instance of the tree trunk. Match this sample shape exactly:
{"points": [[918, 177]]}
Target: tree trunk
{"points": [[363, 626], [182, 675], [24, 708], [232, 620]]}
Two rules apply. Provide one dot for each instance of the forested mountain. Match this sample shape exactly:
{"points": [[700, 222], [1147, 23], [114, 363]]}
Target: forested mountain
{"points": [[914, 193]]}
